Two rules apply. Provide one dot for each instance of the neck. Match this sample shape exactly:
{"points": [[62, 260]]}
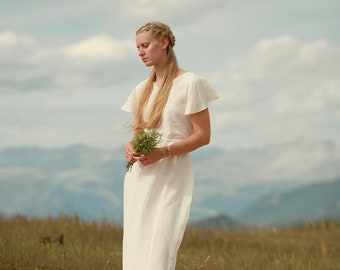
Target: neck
{"points": [[159, 76], [160, 73], [160, 68]]}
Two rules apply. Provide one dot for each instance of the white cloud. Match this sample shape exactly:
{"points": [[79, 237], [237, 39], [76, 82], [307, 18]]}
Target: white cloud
{"points": [[60, 117], [26, 64], [100, 48], [285, 55], [283, 89], [75, 90], [22, 62], [10, 41]]}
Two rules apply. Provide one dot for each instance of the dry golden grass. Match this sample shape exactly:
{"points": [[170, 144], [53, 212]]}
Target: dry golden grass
{"points": [[313, 246], [35, 244], [86, 245]]}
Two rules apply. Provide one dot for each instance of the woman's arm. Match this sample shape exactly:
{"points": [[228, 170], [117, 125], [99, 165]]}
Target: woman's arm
{"points": [[200, 137]]}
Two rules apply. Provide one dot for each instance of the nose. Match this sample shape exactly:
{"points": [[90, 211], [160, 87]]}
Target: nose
{"points": [[140, 52]]}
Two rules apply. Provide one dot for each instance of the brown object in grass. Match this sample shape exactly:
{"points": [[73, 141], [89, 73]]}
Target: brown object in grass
{"points": [[47, 239]]}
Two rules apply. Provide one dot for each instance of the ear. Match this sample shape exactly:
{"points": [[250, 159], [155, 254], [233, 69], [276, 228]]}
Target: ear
{"points": [[165, 42]]}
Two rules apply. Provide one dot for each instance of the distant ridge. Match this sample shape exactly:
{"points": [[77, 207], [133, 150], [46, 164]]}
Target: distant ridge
{"points": [[218, 222], [89, 181], [318, 201]]}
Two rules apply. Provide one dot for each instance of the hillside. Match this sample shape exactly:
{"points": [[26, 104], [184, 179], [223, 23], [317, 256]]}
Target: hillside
{"points": [[320, 201], [76, 179], [89, 181]]}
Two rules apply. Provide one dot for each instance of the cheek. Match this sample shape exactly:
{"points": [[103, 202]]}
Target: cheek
{"points": [[155, 49]]}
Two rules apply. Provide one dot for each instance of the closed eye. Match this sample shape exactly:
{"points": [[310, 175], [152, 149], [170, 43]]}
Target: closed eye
{"points": [[143, 45]]}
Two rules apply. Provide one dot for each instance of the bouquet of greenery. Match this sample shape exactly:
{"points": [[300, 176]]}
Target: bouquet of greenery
{"points": [[145, 141]]}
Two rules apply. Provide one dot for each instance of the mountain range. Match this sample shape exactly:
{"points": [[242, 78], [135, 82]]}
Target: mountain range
{"points": [[280, 184], [313, 202]]}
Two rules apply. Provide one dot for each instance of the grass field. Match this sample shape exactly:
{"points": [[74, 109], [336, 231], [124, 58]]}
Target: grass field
{"points": [[35, 244]]}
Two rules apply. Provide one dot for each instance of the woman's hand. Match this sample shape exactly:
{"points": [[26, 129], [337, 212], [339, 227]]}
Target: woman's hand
{"points": [[150, 158], [130, 154]]}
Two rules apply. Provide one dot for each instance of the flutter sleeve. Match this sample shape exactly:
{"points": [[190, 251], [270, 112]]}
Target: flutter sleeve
{"points": [[200, 94], [131, 103]]}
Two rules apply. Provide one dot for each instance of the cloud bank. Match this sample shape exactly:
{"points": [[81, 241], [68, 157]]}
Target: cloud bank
{"points": [[66, 69]]}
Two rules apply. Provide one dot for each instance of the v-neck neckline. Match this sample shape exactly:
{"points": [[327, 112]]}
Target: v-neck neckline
{"points": [[178, 77]]}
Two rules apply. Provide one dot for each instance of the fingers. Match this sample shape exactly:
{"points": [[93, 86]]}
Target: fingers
{"points": [[145, 160], [132, 156]]}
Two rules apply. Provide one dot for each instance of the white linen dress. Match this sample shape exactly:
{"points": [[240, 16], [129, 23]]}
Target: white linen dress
{"points": [[157, 198]]}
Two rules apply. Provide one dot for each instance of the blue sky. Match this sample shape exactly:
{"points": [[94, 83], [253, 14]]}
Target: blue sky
{"points": [[66, 68]]}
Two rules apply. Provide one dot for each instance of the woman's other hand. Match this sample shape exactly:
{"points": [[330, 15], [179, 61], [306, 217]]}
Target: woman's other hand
{"points": [[130, 154]]}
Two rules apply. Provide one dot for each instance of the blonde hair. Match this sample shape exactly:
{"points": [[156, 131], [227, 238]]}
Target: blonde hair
{"points": [[157, 30]]}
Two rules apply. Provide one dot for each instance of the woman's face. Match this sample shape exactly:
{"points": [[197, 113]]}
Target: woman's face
{"points": [[150, 49]]}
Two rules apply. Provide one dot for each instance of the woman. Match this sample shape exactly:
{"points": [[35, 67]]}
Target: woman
{"points": [[159, 188]]}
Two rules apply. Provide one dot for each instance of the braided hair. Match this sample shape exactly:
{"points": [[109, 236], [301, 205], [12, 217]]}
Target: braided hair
{"points": [[159, 31]]}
